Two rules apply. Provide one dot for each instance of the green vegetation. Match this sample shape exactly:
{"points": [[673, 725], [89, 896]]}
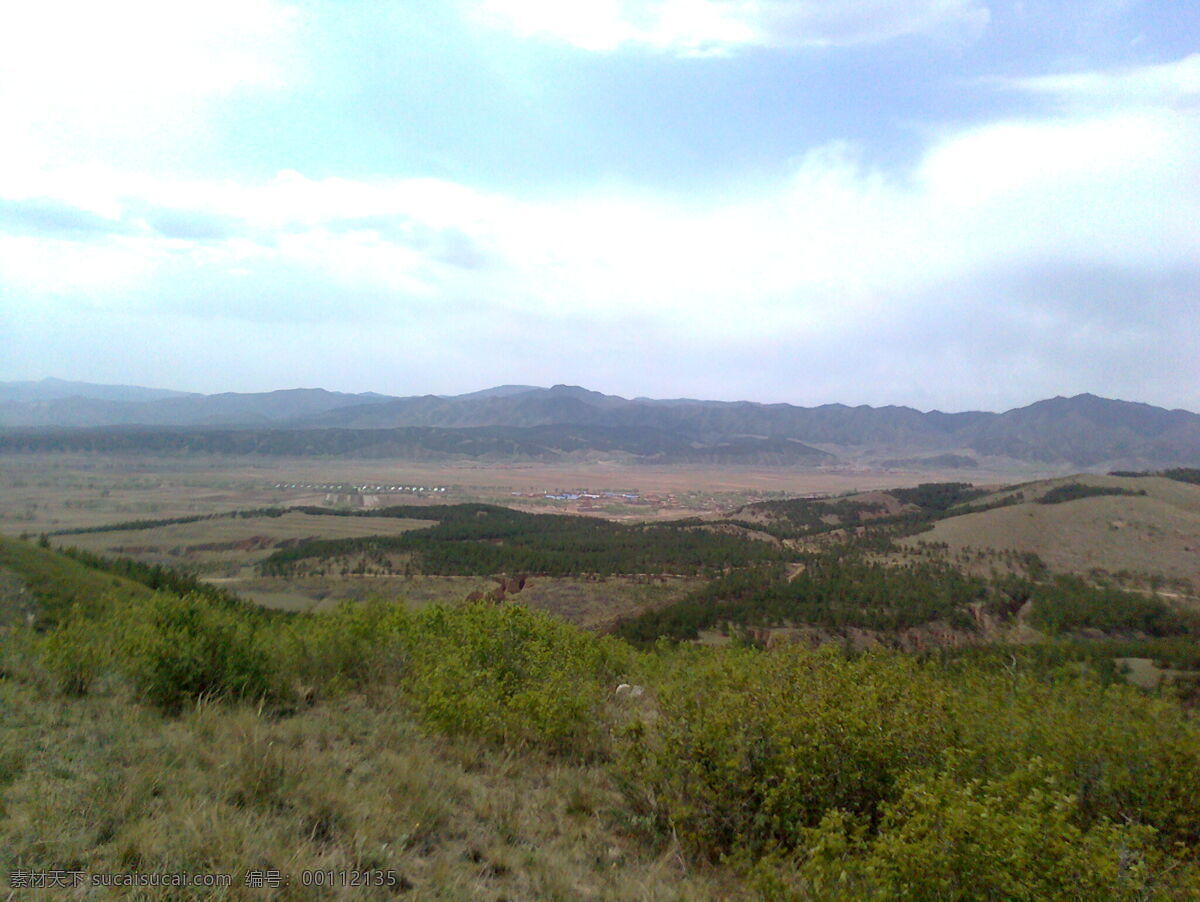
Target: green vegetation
{"points": [[1097, 655], [505, 674], [798, 518], [839, 590], [1075, 490], [1067, 603], [1009, 838], [481, 750], [1179, 474], [512, 676], [152, 576], [916, 782], [831, 591], [60, 584], [481, 539], [178, 650], [938, 496]]}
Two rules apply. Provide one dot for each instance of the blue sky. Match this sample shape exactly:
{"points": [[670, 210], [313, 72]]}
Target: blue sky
{"points": [[942, 203]]}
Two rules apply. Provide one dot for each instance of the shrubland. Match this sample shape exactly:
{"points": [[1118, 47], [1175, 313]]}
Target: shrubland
{"points": [[480, 751]]}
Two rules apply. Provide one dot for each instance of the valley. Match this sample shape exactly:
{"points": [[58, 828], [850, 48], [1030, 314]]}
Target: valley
{"points": [[532, 679]]}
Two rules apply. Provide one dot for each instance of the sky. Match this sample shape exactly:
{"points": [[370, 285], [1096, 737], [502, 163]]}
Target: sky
{"points": [[950, 204]]}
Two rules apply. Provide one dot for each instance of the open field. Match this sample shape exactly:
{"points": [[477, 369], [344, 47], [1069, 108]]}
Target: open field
{"points": [[229, 545], [1153, 537], [63, 491]]}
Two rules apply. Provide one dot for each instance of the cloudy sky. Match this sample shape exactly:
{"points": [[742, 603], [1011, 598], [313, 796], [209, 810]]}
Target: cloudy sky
{"points": [[942, 203]]}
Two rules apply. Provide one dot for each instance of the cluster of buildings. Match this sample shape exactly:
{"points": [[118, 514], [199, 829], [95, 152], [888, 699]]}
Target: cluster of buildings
{"points": [[592, 496], [342, 488], [586, 496]]}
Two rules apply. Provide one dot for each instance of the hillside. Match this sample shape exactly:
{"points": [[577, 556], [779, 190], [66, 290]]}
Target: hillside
{"points": [[486, 443], [523, 422], [58, 389], [489, 751], [1158, 532]]}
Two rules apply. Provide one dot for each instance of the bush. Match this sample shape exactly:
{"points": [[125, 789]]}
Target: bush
{"points": [[749, 749], [76, 652], [512, 675], [1012, 838], [354, 646], [1125, 756], [177, 649]]}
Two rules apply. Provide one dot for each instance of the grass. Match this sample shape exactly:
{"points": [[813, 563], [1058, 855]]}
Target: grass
{"points": [[57, 583], [105, 784], [1156, 533]]}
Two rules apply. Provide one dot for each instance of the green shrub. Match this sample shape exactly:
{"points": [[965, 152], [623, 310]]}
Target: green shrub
{"points": [[177, 649], [76, 652], [748, 749], [1012, 838], [512, 675], [1125, 756], [354, 646]]}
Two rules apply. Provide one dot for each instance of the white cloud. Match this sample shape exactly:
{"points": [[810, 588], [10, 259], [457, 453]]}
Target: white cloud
{"points": [[78, 76], [716, 27], [832, 244], [1173, 84], [1042, 228]]}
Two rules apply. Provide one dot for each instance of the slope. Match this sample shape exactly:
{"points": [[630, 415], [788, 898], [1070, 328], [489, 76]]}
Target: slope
{"points": [[1156, 533]]}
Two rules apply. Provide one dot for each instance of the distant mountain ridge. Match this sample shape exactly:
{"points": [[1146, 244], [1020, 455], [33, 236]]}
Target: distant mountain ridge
{"points": [[1082, 431], [225, 409], [56, 389]]}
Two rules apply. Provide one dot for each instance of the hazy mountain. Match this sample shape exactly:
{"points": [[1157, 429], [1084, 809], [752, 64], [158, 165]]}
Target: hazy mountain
{"points": [[227, 409], [1087, 430], [545, 443], [56, 389], [499, 391], [1083, 431]]}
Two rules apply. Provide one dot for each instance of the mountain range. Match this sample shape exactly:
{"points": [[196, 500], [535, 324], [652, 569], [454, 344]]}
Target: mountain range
{"points": [[530, 422]]}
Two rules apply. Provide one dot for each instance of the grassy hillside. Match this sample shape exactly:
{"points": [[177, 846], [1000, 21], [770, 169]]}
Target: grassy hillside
{"points": [[1154, 533], [53, 584], [482, 751]]}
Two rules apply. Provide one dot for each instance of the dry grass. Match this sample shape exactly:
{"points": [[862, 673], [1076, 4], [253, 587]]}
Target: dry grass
{"points": [[103, 785], [1156, 533]]}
